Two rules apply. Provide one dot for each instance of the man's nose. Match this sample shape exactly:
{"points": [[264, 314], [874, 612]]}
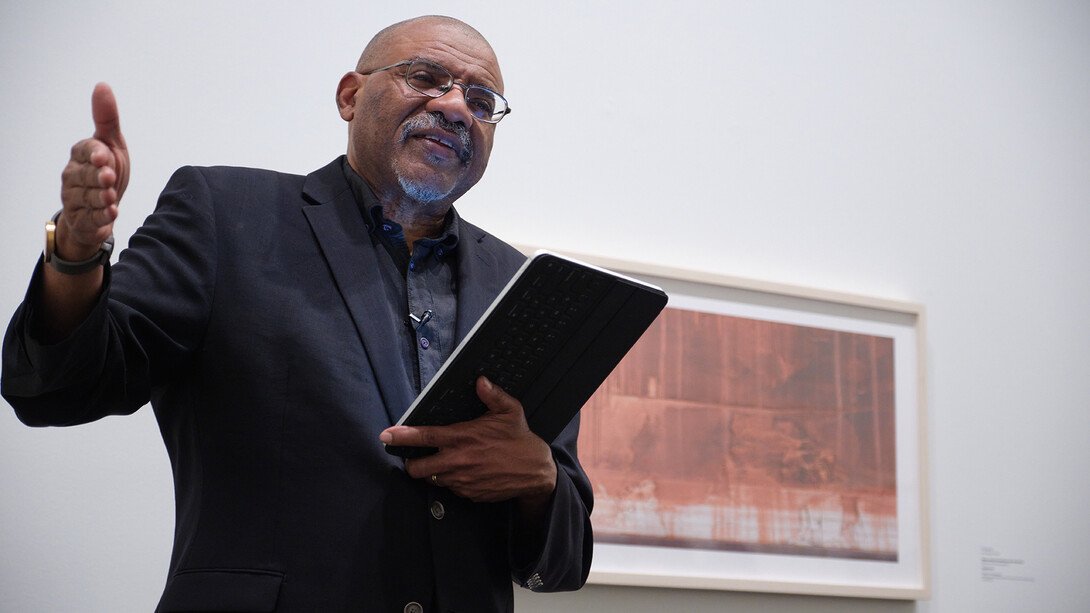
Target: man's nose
{"points": [[453, 105]]}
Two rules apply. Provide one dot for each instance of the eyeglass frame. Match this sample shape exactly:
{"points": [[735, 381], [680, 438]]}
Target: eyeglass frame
{"points": [[453, 82]]}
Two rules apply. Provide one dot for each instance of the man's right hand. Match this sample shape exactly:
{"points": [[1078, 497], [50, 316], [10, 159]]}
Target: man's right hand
{"points": [[93, 182], [91, 188]]}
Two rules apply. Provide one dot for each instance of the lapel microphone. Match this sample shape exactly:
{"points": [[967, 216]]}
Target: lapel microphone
{"points": [[424, 318]]}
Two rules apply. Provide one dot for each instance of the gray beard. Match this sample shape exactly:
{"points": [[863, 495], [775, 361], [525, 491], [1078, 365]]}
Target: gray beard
{"points": [[422, 192]]}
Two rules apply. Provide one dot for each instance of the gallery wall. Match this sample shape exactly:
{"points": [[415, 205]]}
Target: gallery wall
{"points": [[936, 153]]}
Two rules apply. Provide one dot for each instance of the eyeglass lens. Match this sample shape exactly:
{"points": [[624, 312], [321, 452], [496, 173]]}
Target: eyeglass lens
{"points": [[434, 80]]}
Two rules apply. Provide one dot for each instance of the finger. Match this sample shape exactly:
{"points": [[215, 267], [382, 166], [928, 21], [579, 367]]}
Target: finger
{"points": [[90, 151], [497, 400], [101, 156], [79, 174], [88, 197], [107, 119], [90, 166], [106, 177], [104, 218], [424, 468], [81, 197], [413, 436]]}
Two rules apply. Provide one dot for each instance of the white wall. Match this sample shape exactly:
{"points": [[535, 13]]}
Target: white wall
{"points": [[934, 152]]}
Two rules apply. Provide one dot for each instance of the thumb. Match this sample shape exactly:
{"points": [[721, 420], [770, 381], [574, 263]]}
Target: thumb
{"points": [[107, 121], [497, 400]]}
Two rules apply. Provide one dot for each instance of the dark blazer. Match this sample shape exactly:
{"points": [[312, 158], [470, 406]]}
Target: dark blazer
{"points": [[249, 310]]}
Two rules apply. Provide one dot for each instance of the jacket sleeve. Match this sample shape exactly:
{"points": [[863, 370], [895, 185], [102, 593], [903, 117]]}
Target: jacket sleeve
{"points": [[149, 317], [559, 559]]}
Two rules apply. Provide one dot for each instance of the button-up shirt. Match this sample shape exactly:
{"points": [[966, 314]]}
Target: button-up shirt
{"points": [[423, 281]]}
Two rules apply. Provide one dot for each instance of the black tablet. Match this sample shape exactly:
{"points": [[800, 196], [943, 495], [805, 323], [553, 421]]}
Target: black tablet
{"points": [[549, 339]]}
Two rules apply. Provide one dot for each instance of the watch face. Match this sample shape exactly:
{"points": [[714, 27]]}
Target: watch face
{"points": [[50, 239]]}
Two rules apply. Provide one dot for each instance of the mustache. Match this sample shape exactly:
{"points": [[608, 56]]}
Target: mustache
{"points": [[435, 119]]}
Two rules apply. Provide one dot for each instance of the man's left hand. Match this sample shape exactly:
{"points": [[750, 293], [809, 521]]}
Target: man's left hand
{"points": [[492, 458]]}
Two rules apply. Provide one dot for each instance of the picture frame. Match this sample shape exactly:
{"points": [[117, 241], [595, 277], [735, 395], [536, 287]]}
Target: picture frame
{"points": [[765, 437]]}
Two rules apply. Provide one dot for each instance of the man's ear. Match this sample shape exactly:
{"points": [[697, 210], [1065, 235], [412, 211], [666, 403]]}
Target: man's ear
{"points": [[346, 94]]}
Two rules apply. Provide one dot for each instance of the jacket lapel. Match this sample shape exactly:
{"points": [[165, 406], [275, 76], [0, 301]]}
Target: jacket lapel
{"points": [[339, 229], [479, 279]]}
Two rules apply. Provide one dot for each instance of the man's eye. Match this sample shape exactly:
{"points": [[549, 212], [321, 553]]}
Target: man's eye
{"points": [[483, 105], [423, 78]]}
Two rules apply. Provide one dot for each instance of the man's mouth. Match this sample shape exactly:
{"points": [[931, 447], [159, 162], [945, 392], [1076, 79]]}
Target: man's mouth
{"points": [[442, 139], [435, 128]]}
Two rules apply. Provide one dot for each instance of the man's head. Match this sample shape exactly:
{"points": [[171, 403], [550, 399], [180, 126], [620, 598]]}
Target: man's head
{"points": [[404, 143]]}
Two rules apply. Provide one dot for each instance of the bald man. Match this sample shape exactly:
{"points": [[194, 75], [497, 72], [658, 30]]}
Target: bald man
{"points": [[267, 319]]}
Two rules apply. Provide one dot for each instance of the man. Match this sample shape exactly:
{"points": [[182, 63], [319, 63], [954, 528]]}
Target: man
{"points": [[280, 324]]}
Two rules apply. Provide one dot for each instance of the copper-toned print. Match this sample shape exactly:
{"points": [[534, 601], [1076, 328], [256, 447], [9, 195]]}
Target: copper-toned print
{"points": [[720, 432]]}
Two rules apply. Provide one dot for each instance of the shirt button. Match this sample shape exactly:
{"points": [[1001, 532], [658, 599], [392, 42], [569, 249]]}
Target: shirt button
{"points": [[414, 607], [424, 343], [437, 510]]}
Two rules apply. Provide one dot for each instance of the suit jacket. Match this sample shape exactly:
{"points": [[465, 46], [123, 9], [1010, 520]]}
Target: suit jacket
{"points": [[249, 310]]}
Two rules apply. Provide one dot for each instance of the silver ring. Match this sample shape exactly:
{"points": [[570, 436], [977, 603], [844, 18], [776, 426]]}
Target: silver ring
{"points": [[435, 480]]}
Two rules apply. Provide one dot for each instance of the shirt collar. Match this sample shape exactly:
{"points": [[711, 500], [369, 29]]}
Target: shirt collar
{"points": [[373, 217]]}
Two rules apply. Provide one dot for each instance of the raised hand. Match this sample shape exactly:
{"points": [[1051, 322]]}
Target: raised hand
{"points": [[93, 182], [91, 187]]}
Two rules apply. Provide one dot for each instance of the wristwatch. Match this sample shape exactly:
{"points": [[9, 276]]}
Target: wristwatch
{"points": [[49, 256]]}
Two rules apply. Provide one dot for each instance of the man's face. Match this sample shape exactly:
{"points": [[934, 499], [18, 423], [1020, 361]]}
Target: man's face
{"points": [[405, 143]]}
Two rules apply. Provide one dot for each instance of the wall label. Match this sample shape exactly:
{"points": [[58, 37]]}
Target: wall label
{"points": [[996, 566]]}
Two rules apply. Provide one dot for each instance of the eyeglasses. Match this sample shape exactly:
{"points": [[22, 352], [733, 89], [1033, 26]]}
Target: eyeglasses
{"points": [[433, 81]]}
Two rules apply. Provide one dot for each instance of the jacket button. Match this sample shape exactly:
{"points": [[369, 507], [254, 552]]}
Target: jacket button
{"points": [[414, 607], [437, 510]]}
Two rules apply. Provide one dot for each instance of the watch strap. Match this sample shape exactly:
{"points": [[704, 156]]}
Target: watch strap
{"points": [[68, 267]]}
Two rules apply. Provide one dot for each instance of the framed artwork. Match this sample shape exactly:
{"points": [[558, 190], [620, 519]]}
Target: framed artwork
{"points": [[762, 437]]}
